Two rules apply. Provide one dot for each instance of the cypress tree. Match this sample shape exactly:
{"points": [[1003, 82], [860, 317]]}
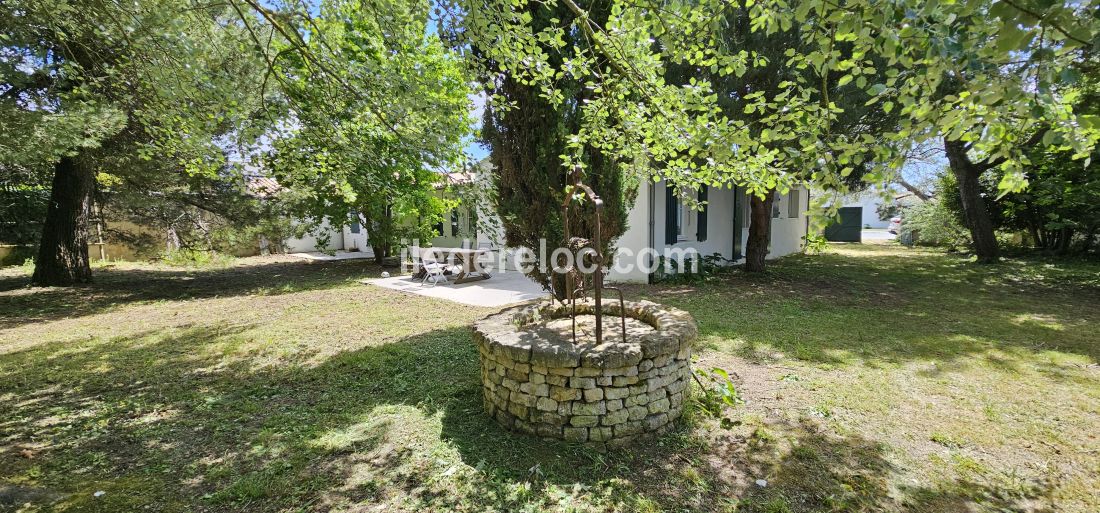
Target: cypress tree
{"points": [[526, 142]]}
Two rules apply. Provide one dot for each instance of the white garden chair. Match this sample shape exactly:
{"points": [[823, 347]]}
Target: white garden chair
{"points": [[434, 266]]}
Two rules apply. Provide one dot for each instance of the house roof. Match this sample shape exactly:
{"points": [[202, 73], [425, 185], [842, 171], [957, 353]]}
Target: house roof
{"points": [[459, 178], [262, 186], [464, 177]]}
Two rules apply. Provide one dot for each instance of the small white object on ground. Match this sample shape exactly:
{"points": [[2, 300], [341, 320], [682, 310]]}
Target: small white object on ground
{"points": [[762, 483], [100, 493], [385, 274]]}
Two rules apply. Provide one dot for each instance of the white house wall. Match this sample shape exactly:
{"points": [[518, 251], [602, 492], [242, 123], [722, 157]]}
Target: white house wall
{"points": [[341, 238], [788, 231], [487, 235], [356, 241], [786, 237], [636, 235], [870, 202], [309, 242], [452, 236], [488, 232], [719, 223]]}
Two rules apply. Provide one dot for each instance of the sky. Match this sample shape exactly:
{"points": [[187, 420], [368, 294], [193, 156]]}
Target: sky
{"points": [[477, 107], [476, 151]]}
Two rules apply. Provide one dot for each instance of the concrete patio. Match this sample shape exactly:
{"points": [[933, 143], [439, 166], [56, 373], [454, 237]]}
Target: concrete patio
{"points": [[338, 255], [504, 288]]}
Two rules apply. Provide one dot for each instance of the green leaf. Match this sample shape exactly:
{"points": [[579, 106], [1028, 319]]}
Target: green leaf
{"points": [[1011, 38], [1089, 120]]}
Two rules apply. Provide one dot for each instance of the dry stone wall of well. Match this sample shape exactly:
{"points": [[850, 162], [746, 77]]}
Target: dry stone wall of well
{"points": [[537, 381]]}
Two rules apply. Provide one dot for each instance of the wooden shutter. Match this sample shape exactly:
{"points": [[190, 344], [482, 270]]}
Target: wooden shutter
{"points": [[355, 227], [701, 226], [671, 217]]}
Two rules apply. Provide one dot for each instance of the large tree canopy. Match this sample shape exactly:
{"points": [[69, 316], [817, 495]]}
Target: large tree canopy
{"points": [[979, 73], [374, 103], [528, 134], [770, 77], [155, 95], [161, 86], [95, 88]]}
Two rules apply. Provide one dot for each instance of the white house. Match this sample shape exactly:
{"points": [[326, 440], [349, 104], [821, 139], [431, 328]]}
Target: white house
{"points": [[351, 237], [873, 201], [659, 220], [475, 225], [472, 225]]}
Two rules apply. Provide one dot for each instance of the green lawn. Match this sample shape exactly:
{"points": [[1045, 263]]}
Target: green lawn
{"points": [[876, 378]]}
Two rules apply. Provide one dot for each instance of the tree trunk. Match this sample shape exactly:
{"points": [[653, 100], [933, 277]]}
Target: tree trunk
{"points": [[376, 240], [63, 251], [912, 188], [172, 240], [977, 217], [1036, 240], [760, 232], [1065, 241]]}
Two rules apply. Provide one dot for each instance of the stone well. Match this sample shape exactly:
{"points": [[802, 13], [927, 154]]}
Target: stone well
{"points": [[537, 381]]}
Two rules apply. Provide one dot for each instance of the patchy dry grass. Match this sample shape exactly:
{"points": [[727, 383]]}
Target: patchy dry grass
{"points": [[876, 379]]}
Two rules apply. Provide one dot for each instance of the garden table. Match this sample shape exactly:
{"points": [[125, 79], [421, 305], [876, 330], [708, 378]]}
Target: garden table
{"points": [[465, 259]]}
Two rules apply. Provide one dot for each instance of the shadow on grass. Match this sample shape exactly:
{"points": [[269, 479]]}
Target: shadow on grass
{"points": [[874, 305], [177, 421], [114, 288]]}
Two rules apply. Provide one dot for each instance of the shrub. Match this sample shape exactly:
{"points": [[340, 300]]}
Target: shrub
{"points": [[690, 270], [932, 223], [21, 213], [196, 258], [886, 211], [815, 244]]}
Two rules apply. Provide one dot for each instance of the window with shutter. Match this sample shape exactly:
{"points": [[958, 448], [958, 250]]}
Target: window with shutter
{"points": [[355, 227], [793, 208]]}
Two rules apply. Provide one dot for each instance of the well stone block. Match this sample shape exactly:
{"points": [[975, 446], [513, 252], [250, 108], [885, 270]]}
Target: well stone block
{"points": [[538, 380]]}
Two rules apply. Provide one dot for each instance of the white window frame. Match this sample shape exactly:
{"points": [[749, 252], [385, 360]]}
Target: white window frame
{"points": [[681, 226]]}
